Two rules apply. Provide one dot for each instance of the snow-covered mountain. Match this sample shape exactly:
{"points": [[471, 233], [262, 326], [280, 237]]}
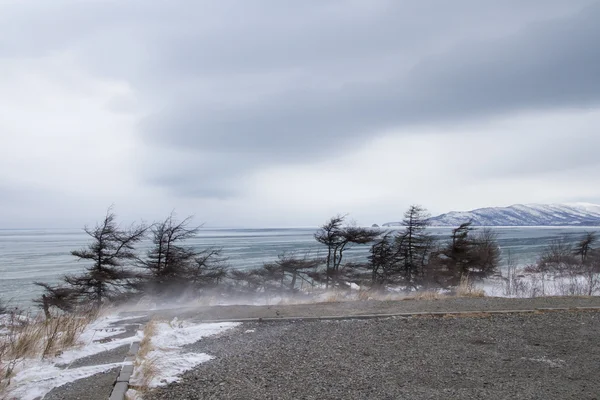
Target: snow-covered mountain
{"points": [[568, 214], [525, 215]]}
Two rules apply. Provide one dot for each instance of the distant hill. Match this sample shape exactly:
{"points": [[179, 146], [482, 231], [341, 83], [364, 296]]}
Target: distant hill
{"points": [[568, 214]]}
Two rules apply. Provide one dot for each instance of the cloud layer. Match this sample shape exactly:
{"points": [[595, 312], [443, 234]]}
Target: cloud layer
{"points": [[228, 105]]}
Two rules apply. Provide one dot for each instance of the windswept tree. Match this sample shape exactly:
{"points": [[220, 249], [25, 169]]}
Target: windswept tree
{"points": [[171, 265], [248, 281], [284, 275], [3, 307], [469, 253], [110, 254], [60, 297], [291, 270], [208, 270], [338, 238], [583, 248], [589, 261], [384, 259], [458, 251], [414, 243]]}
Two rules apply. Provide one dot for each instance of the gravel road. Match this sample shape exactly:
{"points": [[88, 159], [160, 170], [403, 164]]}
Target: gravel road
{"points": [[372, 307], [551, 355]]}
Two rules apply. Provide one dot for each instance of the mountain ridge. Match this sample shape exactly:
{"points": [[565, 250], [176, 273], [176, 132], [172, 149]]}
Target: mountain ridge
{"points": [[558, 214]]}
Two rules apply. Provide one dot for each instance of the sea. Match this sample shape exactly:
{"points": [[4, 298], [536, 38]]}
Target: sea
{"points": [[43, 255]]}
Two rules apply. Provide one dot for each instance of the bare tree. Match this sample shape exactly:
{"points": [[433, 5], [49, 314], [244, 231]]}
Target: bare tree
{"points": [[168, 260], [558, 256], [172, 266]]}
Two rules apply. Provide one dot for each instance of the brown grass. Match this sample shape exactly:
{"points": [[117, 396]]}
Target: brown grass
{"points": [[364, 294], [429, 295], [144, 365], [29, 336], [467, 289], [146, 342], [336, 296]]}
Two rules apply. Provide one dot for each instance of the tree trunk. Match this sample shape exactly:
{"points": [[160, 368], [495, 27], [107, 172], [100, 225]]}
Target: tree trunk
{"points": [[46, 306]]}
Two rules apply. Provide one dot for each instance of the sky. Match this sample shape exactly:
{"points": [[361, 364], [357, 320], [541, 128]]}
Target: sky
{"points": [[265, 113]]}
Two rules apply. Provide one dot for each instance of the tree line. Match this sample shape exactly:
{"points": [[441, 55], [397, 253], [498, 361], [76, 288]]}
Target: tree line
{"points": [[408, 258]]}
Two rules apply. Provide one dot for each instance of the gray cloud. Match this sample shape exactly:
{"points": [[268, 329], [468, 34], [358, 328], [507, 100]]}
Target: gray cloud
{"points": [[545, 66], [550, 65], [238, 87], [540, 153]]}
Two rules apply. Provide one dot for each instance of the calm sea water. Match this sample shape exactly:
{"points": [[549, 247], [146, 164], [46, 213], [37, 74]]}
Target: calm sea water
{"points": [[27, 256]]}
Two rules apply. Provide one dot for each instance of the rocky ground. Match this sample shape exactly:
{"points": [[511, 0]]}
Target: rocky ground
{"points": [[551, 355], [539, 355]]}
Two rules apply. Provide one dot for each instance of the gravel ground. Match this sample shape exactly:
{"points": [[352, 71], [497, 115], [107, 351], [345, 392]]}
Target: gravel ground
{"points": [[377, 307], [96, 387], [552, 355]]}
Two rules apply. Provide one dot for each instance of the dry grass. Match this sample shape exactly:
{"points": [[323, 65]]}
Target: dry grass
{"points": [[145, 367], [467, 289], [336, 296], [428, 295], [26, 336], [146, 343], [364, 295]]}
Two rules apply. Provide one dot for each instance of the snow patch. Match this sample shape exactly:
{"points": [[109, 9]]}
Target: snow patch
{"points": [[39, 378], [35, 378], [168, 358], [133, 394]]}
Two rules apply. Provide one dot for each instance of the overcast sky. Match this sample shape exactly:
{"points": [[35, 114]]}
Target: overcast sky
{"points": [[282, 113]]}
